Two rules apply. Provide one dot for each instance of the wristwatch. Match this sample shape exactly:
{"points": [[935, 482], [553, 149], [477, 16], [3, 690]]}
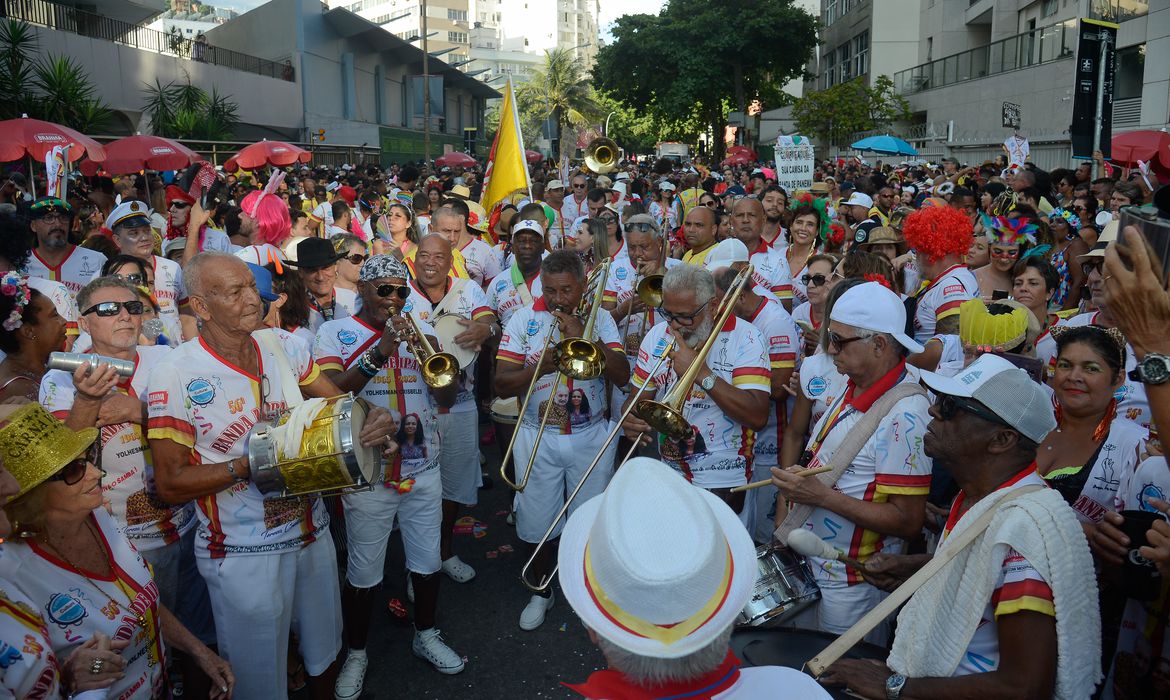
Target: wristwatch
{"points": [[894, 685], [1153, 369], [708, 383]]}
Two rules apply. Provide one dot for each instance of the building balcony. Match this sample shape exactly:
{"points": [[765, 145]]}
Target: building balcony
{"points": [[1039, 46], [1118, 10]]}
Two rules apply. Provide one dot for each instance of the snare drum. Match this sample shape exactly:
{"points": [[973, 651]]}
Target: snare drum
{"points": [[756, 646], [784, 588], [330, 459], [505, 411], [446, 328]]}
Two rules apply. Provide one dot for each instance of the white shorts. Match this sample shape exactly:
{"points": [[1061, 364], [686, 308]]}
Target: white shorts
{"points": [[369, 519], [840, 607], [459, 457], [560, 463], [759, 506], [258, 598]]}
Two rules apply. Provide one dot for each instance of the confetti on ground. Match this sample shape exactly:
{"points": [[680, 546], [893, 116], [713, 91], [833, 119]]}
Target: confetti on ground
{"points": [[396, 607], [492, 554]]}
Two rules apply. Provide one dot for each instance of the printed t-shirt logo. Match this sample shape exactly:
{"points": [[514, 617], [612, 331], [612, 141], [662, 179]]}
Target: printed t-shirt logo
{"points": [[621, 273], [533, 327], [347, 337], [501, 285], [953, 289], [817, 386], [157, 398], [200, 391], [65, 610]]}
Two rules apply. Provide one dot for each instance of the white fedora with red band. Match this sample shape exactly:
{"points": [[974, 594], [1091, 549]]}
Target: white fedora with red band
{"points": [[656, 565]]}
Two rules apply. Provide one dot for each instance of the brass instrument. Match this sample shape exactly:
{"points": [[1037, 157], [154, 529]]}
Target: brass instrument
{"points": [[602, 155], [666, 416], [439, 369], [578, 358]]}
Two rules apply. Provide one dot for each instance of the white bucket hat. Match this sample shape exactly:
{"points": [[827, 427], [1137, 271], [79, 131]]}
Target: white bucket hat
{"points": [[872, 307], [655, 565]]}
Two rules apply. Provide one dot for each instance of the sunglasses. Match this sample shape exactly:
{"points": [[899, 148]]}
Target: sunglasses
{"points": [[711, 204], [606, 219], [179, 205], [1092, 266], [113, 308], [401, 290], [687, 319], [74, 472], [838, 343], [813, 280], [578, 187], [135, 279], [640, 227], [949, 407], [355, 258]]}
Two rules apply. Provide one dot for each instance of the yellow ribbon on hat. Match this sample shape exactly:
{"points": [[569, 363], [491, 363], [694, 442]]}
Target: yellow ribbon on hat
{"points": [[666, 634]]}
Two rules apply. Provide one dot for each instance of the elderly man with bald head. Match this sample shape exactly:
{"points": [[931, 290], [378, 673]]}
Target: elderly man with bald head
{"points": [[265, 560]]}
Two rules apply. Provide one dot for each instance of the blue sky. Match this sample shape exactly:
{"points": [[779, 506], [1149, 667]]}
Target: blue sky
{"points": [[612, 9]]}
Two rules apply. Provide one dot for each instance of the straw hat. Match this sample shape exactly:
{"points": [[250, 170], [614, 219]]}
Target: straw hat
{"points": [[879, 235], [477, 217], [34, 446], [655, 565]]}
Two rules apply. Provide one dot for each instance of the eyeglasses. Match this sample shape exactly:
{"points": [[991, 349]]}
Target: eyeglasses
{"points": [[74, 472], [949, 407], [837, 343], [1092, 266], [686, 319], [135, 279], [106, 309], [401, 290], [813, 280], [640, 227], [179, 205], [355, 258]]}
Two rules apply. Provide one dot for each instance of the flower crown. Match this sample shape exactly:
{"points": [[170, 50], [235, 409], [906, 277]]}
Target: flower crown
{"points": [[1073, 220], [1001, 230], [16, 286]]}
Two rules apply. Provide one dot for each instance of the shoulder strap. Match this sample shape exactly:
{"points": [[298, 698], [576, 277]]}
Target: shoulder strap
{"points": [[902, 593], [452, 295], [850, 447], [269, 342]]}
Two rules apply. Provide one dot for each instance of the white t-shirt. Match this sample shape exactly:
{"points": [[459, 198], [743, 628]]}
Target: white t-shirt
{"points": [[892, 462], [620, 286], [1132, 403], [199, 400], [470, 303], [171, 294], [214, 239], [129, 482], [770, 270], [1115, 462], [259, 254], [79, 267], [571, 210], [1018, 150], [481, 261], [504, 295], [821, 383], [718, 454], [28, 667], [942, 298], [63, 300], [345, 303], [581, 403], [782, 340], [398, 388], [76, 608]]}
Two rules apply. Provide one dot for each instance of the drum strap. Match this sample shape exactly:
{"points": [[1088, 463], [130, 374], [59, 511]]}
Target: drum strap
{"points": [[269, 342], [901, 594], [850, 447]]}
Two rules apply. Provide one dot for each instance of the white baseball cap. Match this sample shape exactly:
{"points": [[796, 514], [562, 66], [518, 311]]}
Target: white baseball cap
{"points": [[1006, 390], [859, 199], [872, 307], [725, 253], [554, 185], [666, 185], [528, 225]]}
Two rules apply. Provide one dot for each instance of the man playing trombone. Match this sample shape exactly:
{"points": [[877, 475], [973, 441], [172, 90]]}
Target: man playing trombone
{"points": [[560, 454], [376, 355], [726, 397]]}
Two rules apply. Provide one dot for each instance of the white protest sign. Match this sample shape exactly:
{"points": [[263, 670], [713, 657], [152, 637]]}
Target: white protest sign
{"points": [[794, 163]]}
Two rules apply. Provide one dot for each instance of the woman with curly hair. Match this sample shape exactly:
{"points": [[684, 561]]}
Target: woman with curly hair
{"points": [[30, 329]]}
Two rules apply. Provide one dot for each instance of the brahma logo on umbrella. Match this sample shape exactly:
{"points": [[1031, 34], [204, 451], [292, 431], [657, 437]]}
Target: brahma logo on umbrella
{"points": [[49, 138]]}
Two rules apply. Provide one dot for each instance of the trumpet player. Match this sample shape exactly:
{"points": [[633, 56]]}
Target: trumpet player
{"points": [[731, 395], [570, 439], [375, 355]]}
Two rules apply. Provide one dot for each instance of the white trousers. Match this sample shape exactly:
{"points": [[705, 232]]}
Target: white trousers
{"points": [[369, 519]]}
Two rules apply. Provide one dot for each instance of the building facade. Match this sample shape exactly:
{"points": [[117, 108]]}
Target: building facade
{"points": [[864, 38]]}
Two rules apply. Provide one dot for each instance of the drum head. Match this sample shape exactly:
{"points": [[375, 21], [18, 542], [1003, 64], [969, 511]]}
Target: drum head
{"points": [[446, 328], [505, 411], [793, 648], [368, 458]]}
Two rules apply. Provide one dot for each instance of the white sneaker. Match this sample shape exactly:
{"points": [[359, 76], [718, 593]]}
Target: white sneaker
{"points": [[409, 587], [534, 612], [429, 645], [350, 678], [458, 571]]}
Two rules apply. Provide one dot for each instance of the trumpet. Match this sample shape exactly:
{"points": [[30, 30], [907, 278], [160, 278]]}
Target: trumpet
{"points": [[666, 416], [579, 358], [439, 369]]}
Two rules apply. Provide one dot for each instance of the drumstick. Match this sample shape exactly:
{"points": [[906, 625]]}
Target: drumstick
{"points": [[806, 543], [764, 482]]}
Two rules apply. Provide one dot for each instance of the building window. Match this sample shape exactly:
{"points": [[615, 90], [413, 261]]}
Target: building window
{"points": [[829, 74], [457, 15], [457, 37], [1131, 67], [1050, 7], [830, 12], [844, 63], [861, 53]]}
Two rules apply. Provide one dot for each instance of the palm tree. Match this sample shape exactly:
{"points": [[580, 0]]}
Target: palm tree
{"points": [[559, 88]]}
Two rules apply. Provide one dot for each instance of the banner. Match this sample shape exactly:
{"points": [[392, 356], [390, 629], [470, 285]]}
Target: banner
{"points": [[1096, 48], [507, 171], [56, 171], [794, 163]]}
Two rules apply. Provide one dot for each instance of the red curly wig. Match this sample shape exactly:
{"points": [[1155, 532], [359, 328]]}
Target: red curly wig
{"points": [[937, 232]]}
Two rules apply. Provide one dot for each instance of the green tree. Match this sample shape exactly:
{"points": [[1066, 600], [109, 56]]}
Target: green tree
{"points": [[833, 115], [53, 88], [701, 57], [186, 111], [559, 88]]}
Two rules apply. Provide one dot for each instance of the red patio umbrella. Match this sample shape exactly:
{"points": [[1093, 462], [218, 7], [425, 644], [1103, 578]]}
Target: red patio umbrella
{"points": [[455, 159], [277, 154], [32, 138], [533, 156], [142, 152], [746, 150], [737, 159], [1146, 145]]}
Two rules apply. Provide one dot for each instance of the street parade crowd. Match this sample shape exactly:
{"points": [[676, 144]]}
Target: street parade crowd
{"points": [[904, 420]]}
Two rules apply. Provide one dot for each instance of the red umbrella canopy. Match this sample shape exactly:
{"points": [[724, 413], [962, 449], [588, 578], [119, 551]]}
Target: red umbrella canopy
{"points": [[533, 156], [277, 154], [735, 150], [24, 137], [737, 159], [141, 152], [1148, 146], [455, 159]]}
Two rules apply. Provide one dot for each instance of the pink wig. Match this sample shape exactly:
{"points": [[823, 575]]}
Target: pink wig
{"points": [[271, 215]]}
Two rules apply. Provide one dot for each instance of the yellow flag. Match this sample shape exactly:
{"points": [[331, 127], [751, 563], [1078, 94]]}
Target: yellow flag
{"points": [[507, 170]]}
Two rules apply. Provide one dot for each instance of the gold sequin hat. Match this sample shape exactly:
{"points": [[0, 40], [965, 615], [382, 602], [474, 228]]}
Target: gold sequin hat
{"points": [[34, 446]]}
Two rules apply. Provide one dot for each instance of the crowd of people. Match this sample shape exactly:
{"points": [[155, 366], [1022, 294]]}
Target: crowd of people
{"points": [[942, 368]]}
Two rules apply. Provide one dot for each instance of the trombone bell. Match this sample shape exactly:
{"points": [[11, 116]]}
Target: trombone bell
{"points": [[663, 418], [602, 155], [650, 290], [580, 359]]}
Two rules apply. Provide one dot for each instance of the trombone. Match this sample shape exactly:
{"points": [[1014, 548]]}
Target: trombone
{"points": [[439, 369], [579, 358]]}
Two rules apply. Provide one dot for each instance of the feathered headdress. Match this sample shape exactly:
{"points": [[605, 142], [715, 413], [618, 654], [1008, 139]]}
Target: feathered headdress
{"points": [[1001, 230]]}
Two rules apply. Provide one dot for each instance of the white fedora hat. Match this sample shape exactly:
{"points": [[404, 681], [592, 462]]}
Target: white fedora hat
{"points": [[655, 565]]}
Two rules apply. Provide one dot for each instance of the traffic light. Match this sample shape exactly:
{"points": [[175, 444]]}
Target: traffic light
{"points": [[320, 134]]}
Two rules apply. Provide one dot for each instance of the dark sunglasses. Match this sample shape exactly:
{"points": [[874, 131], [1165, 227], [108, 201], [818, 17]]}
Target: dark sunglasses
{"points": [[1092, 266], [640, 227], [74, 472], [949, 407], [606, 219], [683, 318], [813, 280], [113, 308], [838, 343], [401, 290], [712, 204], [179, 205], [355, 258], [578, 187], [134, 279]]}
